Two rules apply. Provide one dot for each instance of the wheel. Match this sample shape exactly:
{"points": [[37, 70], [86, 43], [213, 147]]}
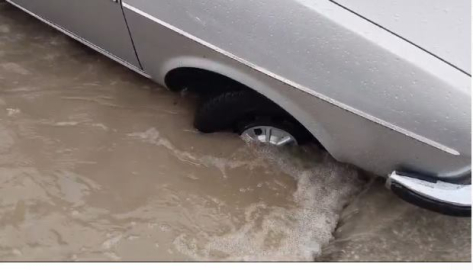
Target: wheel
{"points": [[252, 116], [270, 132]]}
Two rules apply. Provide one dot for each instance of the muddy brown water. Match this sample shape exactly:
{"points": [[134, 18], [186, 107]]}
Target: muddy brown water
{"points": [[98, 163]]}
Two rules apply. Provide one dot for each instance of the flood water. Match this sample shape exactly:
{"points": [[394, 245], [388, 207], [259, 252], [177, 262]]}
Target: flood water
{"points": [[98, 163]]}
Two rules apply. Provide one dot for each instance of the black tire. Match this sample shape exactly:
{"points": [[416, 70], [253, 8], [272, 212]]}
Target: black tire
{"points": [[239, 109]]}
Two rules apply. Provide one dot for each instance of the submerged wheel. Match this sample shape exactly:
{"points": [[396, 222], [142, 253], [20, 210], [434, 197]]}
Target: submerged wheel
{"points": [[269, 135], [252, 116]]}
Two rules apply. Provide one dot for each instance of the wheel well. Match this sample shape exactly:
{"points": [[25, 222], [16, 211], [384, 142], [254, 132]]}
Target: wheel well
{"points": [[196, 80]]}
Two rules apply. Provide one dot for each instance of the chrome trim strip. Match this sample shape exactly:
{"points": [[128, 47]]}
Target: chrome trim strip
{"points": [[83, 41], [459, 195], [296, 85]]}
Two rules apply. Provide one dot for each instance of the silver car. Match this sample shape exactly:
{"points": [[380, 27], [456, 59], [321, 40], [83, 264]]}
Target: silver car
{"points": [[384, 85]]}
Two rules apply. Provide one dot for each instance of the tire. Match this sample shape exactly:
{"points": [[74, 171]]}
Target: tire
{"points": [[240, 109]]}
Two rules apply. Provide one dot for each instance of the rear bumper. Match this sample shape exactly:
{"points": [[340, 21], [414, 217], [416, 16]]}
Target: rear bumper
{"points": [[435, 195]]}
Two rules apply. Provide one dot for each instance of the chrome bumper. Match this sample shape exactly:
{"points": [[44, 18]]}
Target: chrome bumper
{"points": [[435, 195]]}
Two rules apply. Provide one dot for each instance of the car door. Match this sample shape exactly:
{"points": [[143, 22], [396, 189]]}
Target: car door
{"points": [[98, 23]]}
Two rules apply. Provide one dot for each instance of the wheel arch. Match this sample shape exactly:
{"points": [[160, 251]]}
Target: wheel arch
{"points": [[253, 80]]}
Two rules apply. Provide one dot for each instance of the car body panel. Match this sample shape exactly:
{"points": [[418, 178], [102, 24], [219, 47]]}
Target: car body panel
{"points": [[327, 55], [444, 30], [99, 22], [371, 98]]}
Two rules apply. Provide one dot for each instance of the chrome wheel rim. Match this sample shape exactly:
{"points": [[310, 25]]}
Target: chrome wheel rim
{"points": [[269, 135]]}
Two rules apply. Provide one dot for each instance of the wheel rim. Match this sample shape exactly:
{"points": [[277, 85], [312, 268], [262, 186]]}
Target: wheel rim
{"points": [[269, 135]]}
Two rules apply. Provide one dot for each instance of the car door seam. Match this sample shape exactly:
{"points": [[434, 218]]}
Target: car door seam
{"points": [[130, 35]]}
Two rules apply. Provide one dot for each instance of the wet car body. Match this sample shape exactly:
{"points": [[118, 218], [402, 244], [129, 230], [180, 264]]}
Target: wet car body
{"points": [[385, 89]]}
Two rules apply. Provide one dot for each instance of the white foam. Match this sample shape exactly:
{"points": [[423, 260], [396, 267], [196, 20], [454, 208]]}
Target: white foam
{"points": [[111, 242], [153, 136], [269, 232], [66, 124], [12, 111], [272, 233]]}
